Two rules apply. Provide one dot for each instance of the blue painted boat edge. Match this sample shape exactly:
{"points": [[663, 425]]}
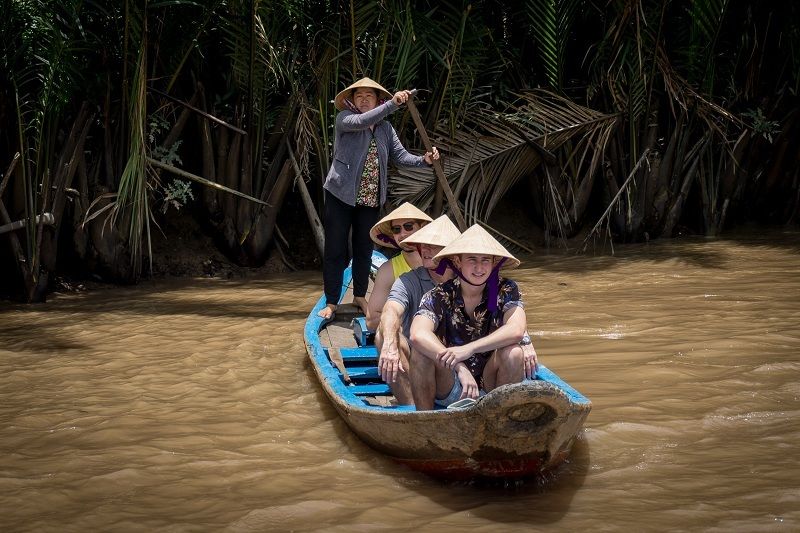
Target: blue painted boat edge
{"points": [[545, 374], [331, 374]]}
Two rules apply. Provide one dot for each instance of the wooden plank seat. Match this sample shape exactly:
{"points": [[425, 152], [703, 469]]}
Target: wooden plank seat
{"points": [[370, 389], [362, 354], [363, 373]]}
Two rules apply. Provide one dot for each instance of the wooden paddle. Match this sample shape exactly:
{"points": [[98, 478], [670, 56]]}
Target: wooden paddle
{"points": [[437, 167]]}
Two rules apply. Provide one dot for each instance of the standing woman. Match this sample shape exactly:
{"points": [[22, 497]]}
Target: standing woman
{"points": [[356, 185]]}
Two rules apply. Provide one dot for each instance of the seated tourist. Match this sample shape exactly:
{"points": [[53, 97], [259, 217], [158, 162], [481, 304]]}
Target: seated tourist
{"points": [[390, 232], [391, 337], [473, 327]]}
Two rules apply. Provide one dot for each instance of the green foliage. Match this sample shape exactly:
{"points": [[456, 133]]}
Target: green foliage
{"points": [[768, 129], [157, 125], [551, 23], [658, 63], [177, 193], [42, 58], [132, 207]]}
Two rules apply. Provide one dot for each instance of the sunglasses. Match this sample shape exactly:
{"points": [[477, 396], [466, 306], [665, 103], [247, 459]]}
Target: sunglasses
{"points": [[408, 226]]}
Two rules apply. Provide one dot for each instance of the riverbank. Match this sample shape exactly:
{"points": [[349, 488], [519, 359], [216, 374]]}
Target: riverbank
{"points": [[183, 248]]}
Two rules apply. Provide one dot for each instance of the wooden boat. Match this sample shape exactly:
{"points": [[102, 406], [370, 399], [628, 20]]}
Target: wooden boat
{"points": [[518, 430]]}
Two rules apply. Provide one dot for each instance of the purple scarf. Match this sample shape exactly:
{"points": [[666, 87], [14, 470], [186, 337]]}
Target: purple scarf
{"points": [[383, 238]]}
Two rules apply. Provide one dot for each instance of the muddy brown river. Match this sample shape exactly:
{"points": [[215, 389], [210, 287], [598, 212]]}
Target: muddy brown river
{"points": [[190, 406]]}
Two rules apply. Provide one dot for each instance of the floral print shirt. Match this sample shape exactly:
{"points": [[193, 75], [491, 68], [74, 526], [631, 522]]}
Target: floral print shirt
{"points": [[368, 188], [444, 306]]}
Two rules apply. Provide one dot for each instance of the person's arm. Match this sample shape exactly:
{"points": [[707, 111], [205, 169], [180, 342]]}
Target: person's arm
{"points": [[423, 336], [530, 359], [469, 387], [389, 363], [514, 325], [350, 121], [380, 291], [399, 155]]}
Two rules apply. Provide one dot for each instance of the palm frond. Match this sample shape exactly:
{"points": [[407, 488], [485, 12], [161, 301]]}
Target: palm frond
{"points": [[707, 16], [551, 21], [492, 157], [132, 207]]}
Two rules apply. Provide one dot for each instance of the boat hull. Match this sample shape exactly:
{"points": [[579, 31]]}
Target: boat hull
{"points": [[516, 430]]}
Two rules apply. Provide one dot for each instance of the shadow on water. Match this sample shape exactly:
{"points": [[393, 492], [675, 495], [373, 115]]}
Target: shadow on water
{"points": [[541, 499], [49, 339], [153, 301], [548, 496]]}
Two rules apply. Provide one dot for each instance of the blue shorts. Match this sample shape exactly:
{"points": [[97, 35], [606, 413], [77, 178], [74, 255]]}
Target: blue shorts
{"points": [[453, 396], [455, 393]]}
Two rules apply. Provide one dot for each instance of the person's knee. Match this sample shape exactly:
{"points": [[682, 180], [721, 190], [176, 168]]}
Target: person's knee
{"points": [[511, 359], [511, 354]]}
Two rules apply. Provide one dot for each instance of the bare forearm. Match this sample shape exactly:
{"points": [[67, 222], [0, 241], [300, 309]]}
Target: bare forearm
{"points": [[389, 325], [426, 342], [505, 335]]}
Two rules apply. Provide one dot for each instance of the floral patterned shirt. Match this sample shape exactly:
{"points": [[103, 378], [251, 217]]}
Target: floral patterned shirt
{"points": [[444, 306], [368, 188]]}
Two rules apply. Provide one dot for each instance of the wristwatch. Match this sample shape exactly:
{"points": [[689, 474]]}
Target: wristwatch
{"points": [[526, 340]]}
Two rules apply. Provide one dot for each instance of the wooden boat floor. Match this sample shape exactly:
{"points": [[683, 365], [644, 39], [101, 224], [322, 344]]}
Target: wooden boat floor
{"points": [[338, 334]]}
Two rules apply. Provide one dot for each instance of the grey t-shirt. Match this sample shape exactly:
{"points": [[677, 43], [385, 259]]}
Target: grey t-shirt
{"points": [[407, 290]]}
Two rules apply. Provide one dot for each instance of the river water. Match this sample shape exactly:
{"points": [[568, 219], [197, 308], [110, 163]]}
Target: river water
{"points": [[190, 406]]}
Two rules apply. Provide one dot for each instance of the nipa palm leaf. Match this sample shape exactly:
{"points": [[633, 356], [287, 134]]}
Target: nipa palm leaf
{"points": [[486, 156]]}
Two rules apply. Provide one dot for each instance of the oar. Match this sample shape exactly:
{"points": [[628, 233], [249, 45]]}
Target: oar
{"points": [[437, 167]]}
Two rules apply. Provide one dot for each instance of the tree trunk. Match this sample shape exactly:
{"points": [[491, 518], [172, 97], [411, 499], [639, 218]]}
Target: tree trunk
{"points": [[80, 239], [231, 176], [311, 212], [582, 196], [647, 177], [210, 196], [71, 154], [617, 218], [180, 124], [677, 204], [263, 231], [244, 210], [108, 142]]}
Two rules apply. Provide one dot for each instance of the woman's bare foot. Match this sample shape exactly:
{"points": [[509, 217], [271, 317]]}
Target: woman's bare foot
{"points": [[361, 302], [327, 311]]}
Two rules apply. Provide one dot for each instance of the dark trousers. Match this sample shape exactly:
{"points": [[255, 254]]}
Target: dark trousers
{"points": [[339, 219]]}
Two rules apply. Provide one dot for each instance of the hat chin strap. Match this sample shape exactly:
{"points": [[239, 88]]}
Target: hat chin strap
{"points": [[351, 106], [443, 264], [383, 238], [492, 283]]}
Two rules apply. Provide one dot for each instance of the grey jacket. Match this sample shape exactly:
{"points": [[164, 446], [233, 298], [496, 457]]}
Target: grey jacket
{"points": [[350, 151]]}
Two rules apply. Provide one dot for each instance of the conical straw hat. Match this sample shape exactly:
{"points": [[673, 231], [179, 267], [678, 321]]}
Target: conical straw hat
{"points": [[477, 240], [440, 232], [363, 82], [384, 225]]}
